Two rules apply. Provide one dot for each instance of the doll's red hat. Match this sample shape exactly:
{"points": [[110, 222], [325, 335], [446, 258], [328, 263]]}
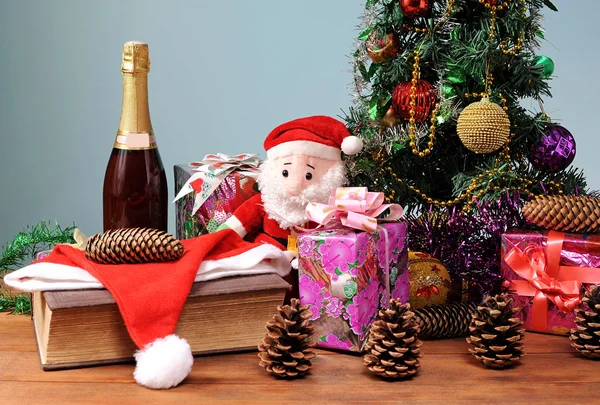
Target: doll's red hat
{"points": [[320, 136]]}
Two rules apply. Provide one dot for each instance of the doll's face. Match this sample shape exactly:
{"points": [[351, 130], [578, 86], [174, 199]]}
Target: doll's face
{"points": [[298, 172], [287, 184]]}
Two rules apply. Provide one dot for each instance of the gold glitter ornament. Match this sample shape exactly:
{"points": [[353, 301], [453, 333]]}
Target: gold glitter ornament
{"points": [[483, 126], [428, 279], [390, 118]]}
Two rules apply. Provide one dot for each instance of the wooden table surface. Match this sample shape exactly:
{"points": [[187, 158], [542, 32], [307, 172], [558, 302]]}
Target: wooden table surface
{"points": [[551, 372]]}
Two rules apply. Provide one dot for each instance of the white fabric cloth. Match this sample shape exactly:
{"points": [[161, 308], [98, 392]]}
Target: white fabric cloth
{"points": [[46, 276]]}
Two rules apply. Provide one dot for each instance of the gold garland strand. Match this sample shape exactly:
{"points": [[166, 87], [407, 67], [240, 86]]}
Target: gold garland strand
{"points": [[494, 9], [416, 76]]}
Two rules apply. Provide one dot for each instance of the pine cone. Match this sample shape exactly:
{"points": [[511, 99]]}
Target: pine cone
{"points": [[586, 336], [564, 213], [445, 321], [495, 332], [285, 349], [393, 345], [133, 245]]}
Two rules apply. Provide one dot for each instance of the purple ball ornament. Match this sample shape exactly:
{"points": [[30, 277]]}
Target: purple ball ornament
{"points": [[554, 150]]}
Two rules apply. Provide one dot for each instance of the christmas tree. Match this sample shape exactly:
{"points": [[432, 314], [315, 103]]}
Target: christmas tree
{"points": [[439, 86]]}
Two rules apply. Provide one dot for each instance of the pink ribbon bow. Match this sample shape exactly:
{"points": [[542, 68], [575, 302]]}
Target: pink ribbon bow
{"points": [[354, 207], [546, 280]]}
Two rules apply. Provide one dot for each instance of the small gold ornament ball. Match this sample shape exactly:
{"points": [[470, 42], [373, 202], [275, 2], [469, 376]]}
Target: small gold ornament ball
{"points": [[483, 126], [390, 119], [429, 280]]}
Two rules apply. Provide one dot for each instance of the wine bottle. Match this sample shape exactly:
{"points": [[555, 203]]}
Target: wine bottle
{"points": [[135, 183]]}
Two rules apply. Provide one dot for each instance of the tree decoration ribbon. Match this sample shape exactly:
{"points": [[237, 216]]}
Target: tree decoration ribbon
{"points": [[546, 280], [212, 170], [353, 207]]}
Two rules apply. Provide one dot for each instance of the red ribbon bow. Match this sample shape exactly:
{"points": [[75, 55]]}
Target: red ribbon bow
{"points": [[546, 280]]}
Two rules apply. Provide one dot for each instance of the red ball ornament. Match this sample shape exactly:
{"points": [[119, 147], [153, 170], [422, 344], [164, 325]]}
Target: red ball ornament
{"points": [[425, 98], [383, 48], [415, 8]]}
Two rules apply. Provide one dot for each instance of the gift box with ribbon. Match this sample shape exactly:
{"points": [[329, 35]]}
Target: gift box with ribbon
{"points": [[209, 191], [351, 266], [547, 272]]}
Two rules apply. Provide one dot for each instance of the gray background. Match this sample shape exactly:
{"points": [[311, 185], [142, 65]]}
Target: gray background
{"points": [[224, 73]]}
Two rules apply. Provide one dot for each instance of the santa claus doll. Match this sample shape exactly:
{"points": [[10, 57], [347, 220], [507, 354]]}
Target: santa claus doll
{"points": [[303, 165]]}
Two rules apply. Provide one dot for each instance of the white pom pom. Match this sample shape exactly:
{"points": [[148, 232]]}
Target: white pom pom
{"points": [[351, 145], [163, 363]]}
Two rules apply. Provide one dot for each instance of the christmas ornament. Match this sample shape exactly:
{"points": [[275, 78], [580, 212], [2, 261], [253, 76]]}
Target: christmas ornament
{"points": [[425, 98], [415, 8], [564, 213], [448, 91], [133, 245], [547, 66], [445, 321], [382, 48], [586, 336], [456, 74], [496, 333], [285, 349], [483, 126], [390, 118], [392, 350], [428, 279], [554, 150]]}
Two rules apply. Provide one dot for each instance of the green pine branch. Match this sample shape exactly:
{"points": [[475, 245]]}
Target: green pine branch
{"points": [[18, 252]]}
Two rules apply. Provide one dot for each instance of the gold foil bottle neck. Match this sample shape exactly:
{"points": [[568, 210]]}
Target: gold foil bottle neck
{"points": [[135, 58]]}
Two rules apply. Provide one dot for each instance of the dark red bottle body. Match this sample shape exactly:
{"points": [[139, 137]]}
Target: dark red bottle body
{"points": [[135, 190], [135, 184]]}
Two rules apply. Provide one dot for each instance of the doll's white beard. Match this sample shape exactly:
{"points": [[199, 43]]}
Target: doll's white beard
{"points": [[289, 211]]}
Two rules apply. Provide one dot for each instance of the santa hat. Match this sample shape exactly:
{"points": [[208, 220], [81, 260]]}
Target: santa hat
{"points": [[320, 136], [151, 296]]}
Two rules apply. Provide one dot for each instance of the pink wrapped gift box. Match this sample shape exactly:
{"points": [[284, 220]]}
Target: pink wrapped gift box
{"points": [[547, 273], [346, 276]]}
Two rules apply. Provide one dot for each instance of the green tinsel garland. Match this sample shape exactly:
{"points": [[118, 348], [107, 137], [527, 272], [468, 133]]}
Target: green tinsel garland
{"points": [[21, 250]]}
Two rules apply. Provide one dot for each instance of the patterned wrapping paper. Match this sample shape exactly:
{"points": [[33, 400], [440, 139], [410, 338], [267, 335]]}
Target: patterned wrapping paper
{"points": [[229, 195], [579, 258], [342, 276]]}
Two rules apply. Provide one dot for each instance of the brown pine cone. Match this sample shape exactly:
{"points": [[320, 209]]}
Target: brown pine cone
{"points": [[445, 321], [495, 332], [285, 349], [392, 350], [564, 213], [133, 245], [586, 336]]}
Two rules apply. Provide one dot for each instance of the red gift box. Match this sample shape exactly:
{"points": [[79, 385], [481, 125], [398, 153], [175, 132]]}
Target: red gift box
{"points": [[546, 273]]}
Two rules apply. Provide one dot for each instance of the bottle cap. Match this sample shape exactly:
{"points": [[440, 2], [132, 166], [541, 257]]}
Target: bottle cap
{"points": [[135, 58]]}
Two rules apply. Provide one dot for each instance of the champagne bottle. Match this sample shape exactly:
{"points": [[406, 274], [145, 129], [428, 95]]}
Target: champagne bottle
{"points": [[135, 184]]}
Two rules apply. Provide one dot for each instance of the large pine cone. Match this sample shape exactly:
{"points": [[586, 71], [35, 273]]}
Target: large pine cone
{"points": [[495, 332], [392, 350], [445, 321], [564, 213], [285, 349], [586, 336], [133, 245]]}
